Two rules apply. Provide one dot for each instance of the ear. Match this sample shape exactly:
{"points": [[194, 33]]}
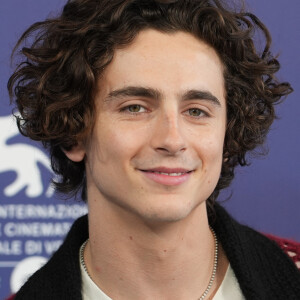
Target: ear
{"points": [[76, 153]]}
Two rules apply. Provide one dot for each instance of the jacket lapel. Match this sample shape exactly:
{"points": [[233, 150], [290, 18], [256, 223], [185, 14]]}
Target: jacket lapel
{"points": [[262, 269]]}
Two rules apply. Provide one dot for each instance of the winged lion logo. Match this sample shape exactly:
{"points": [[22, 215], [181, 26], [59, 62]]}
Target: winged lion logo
{"points": [[23, 159]]}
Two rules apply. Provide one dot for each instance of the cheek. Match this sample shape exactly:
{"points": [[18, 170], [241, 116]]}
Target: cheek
{"points": [[210, 144], [211, 155], [114, 144]]}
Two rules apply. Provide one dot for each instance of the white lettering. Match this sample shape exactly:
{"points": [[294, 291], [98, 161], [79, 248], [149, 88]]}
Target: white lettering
{"points": [[33, 247], [29, 211], [11, 247], [36, 229]]}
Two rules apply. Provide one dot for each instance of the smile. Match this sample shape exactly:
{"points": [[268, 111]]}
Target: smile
{"points": [[170, 174], [166, 176]]}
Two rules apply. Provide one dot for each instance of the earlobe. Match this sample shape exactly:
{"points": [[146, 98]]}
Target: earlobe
{"points": [[76, 153]]}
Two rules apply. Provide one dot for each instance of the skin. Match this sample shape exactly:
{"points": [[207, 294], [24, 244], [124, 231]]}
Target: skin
{"points": [[160, 105]]}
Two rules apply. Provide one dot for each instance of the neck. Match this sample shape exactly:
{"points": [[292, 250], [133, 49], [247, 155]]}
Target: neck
{"points": [[152, 259]]}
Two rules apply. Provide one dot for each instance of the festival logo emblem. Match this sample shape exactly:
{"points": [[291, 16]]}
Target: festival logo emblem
{"points": [[24, 270], [23, 159]]}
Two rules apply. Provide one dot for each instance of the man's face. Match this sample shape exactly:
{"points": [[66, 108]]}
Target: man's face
{"points": [[156, 148]]}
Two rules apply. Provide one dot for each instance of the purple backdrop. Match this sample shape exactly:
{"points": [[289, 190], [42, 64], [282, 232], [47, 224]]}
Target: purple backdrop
{"points": [[265, 195]]}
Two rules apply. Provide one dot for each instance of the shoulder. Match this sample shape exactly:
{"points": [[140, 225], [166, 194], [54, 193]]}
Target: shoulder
{"points": [[290, 247]]}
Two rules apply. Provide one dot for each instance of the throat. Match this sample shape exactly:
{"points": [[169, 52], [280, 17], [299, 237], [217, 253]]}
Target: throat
{"points": [[170, 273]]}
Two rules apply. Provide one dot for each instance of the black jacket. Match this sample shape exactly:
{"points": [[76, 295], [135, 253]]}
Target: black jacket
{"points": [[263, 270]]}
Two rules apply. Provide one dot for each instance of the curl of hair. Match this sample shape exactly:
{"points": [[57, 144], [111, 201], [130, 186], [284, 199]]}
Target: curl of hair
{"points": [[53, 86]]}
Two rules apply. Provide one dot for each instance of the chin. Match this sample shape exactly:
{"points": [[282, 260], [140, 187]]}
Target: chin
{"points": [[169, 213]]}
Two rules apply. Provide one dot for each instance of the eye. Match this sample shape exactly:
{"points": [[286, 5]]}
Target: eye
{"points": [[196, 112], [134, 109]]}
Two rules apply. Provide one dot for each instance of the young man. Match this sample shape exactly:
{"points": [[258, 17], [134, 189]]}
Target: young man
{"points": [[147, 107]]}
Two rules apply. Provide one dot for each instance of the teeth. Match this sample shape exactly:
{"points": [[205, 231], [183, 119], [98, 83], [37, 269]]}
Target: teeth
{"points": [[169, 174]]}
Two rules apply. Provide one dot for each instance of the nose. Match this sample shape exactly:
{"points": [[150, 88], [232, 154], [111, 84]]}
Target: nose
{"points": [[168, 137]]}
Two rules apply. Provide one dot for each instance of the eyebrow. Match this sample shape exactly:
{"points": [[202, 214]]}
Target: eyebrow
{"points": [[134, 91], [138, 91], [201, 95]]}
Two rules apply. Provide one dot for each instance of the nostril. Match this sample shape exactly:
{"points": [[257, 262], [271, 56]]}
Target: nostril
{"points": [[162, 149], [170, 150]]}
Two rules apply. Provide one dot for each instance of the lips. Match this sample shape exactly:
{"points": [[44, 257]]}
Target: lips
{"points": [[167, 176], [167, 170], [170, 174]]}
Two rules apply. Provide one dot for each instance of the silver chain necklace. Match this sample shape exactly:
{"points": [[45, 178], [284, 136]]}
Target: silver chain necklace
{"points": [[211, 280], [214, 271]]}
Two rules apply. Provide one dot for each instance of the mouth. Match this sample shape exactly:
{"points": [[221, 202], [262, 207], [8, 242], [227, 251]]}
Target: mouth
{"points": [[168, 176]]}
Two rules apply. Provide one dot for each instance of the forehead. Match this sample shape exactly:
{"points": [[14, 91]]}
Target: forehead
{"points": [[169, 62]]}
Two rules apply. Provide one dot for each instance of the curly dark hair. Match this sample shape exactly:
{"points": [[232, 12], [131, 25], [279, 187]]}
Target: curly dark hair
{"points": [[53, 86]]}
